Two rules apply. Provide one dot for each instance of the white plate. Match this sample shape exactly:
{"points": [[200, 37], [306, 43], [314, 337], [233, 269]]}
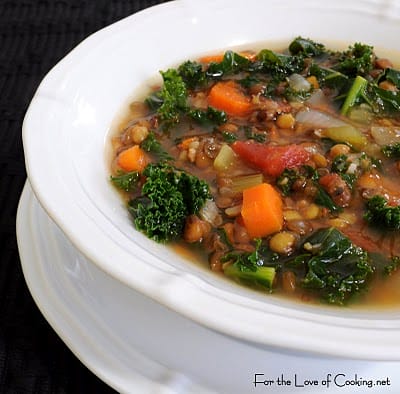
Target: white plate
{"points": [[138, 346], [65, 132]]}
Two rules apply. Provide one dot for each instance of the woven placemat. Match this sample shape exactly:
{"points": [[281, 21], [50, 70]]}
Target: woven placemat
{"points": [[34, 36]]}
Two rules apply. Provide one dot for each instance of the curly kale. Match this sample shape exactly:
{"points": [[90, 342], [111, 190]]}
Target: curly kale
{"points": [[192, 74], [380, 214], [152, 145], [171, 100], [306, 46], [168, 196], [326, 263], [232, 63], [393, 265], [357, 60], [208, 116], [392, 151], [336, 268], [278, 65], [126, 181]]}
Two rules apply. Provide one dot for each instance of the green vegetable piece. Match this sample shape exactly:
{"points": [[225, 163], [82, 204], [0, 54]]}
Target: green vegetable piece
{"points": [[306, 46], [210, 115], [126, 181], [392, 75], [250, 134], [383, 102], [392, 150], [340, 165], [347, 134], [168, 196], [330, 78], [261, 276], [357, 60], [279, 66], [192, 74], [353, 96], [325, 200], [152, 145], [380, 214], [392, 266], [336, 268], [286, 180], [248, 268], [171, 100], [305, 174], [232, 63]]}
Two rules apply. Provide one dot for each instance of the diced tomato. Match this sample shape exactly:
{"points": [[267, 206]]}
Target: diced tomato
{"points": [[271, 159]]}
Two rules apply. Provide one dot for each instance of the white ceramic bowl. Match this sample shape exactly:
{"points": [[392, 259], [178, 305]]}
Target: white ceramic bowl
{"points": [[65, 136]]}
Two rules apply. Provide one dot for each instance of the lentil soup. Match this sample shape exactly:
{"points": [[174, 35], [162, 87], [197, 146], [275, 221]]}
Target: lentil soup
{"points": [[277, 169]]}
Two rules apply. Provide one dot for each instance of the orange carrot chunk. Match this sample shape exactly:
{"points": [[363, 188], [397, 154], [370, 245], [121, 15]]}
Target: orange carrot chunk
{"points": [[262, 210], [219, 57], [212, 58], [132, 159], [228, 96]]}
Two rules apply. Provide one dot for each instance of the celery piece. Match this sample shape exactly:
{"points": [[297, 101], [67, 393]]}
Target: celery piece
{"points": [[354, 93], [225, 158], [261, 276], [347, 134], [239, 183]]}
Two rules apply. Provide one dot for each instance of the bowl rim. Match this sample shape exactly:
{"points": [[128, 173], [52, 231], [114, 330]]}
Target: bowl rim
{"points": [[181, 290]]}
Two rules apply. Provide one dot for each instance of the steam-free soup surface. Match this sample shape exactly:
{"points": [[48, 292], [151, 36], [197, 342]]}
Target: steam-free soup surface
{"points": [[277, 169]]}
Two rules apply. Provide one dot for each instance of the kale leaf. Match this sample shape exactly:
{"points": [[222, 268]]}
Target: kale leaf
{"points": [[126, 181], [306, 46], [392, 75], [168, 196], [380, 214], [232, 63], [392, 150], [357, 60], [192, 74], [381, 101], [340, 165], [171, 100], [248, 267], [278, 65], [210, 115], [152, 145], [336, 268], [303, 175]]}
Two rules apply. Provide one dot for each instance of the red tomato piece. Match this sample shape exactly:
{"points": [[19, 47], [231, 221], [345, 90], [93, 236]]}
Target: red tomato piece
{"points": [[271, 159]]}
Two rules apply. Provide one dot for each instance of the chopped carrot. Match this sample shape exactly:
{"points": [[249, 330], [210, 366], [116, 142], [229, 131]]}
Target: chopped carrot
{"points": [[228, 97], [217, 58], [262, 210], [185, 144], [212, 58], [133, 159]]}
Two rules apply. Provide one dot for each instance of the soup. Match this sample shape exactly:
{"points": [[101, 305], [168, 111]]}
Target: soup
{"points": [[278, 169]]}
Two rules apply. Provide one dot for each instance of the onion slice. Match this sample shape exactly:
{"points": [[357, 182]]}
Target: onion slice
{"points": [[318, 119]]}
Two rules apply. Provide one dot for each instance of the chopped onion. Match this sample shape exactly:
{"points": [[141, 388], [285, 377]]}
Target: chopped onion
{"points": [[298, 83], [210, 213], [318, 119], [384, 135], [317, 99]]}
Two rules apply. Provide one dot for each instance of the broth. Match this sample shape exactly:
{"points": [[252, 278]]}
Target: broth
{"points": [[287, 164]]}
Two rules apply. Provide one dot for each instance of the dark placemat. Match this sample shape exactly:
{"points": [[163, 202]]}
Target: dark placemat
{"points": [[35, 35]]}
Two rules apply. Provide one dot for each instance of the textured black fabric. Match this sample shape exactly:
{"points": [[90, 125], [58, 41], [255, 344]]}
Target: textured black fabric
{"points": [[34, 35]]}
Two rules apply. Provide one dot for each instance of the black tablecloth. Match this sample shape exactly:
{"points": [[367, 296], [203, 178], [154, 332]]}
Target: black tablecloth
{"points": [[34, 36]]}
